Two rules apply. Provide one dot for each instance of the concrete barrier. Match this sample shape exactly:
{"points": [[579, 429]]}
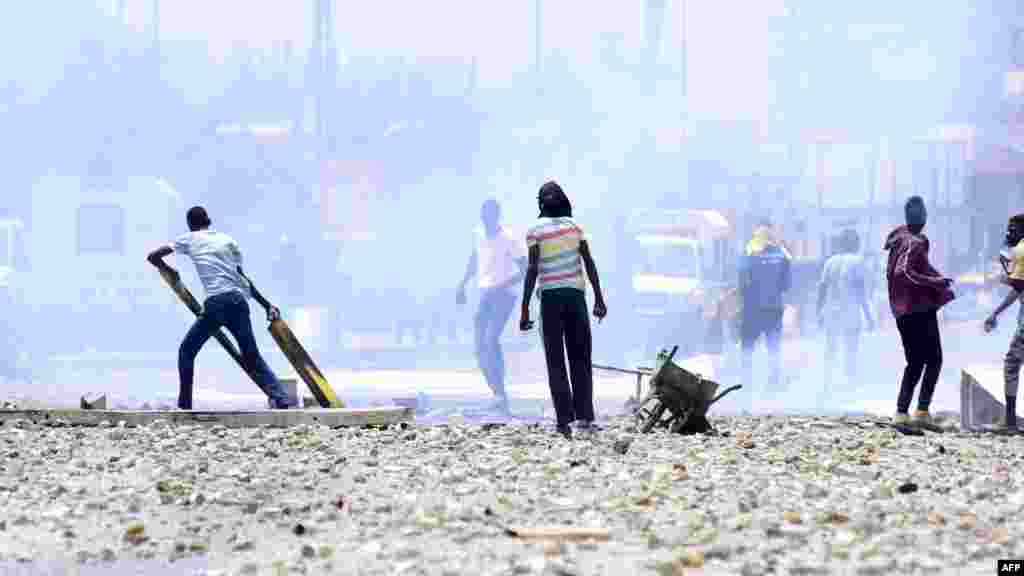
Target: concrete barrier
{"points": [[981, 397]]}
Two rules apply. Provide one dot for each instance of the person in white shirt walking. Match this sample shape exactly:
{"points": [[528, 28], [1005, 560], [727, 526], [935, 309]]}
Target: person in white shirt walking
{"points": [[218, 260], [499, 263], [842, 300]]}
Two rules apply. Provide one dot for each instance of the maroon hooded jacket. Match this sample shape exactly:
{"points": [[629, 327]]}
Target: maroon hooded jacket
{"points": [[914, 285]]}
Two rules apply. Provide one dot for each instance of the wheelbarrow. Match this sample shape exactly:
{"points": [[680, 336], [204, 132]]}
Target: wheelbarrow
{"points": [[678, 399]]}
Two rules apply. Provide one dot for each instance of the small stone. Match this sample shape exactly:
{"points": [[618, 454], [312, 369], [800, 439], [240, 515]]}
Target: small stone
{"points": [[745, 440], [693, 559], [308, 551], [553, 548], [325, 552], [299, 530], [1000, 536], [968, 521], [792, 517], [836, 518], [108, 555], [672, 568], [135, 534], [679, 472], [243, 546], [907, 488], [936, 520], [621, 446]]}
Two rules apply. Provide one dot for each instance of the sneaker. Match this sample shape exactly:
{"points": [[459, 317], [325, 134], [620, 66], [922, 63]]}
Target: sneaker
{"points": [[901, 418], [499, 405], [924, 420], [587, 426], [565, 431]]}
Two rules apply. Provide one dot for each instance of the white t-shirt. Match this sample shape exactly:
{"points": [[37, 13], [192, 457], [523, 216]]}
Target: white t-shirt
{"points": [[496, 257], [217, 258], [842, 273]]}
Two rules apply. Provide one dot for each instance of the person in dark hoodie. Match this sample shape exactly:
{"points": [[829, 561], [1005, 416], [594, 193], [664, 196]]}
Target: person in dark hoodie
{"points": [[916, 293], [765, 274]]}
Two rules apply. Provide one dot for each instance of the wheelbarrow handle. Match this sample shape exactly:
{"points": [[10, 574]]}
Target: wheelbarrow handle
{"points": [[723, 393]]}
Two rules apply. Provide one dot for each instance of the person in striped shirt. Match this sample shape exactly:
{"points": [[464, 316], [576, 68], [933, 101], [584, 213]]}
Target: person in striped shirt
{"points": [[557, 256]]}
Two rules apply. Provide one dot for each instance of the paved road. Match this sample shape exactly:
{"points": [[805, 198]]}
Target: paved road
{"points": [[450, 377]]}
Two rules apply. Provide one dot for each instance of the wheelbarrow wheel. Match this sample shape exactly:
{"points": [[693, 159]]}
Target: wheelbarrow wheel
{"points": [[642, 408], [679, 422], [652, 417]]}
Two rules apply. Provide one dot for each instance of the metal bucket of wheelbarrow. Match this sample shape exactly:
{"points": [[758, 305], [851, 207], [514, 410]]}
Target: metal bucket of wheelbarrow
{"points": [[681, 396]]}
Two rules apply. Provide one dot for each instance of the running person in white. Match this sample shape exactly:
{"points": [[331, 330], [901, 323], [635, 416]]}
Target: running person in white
{"points": [[499, 262], [217, 260]]}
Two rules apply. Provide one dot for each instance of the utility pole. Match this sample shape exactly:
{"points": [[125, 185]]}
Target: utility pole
{"points": [[820, 150], [322, 66], [873, 164], [538, 37], [155, 47], [682, 33], [654, 16]]}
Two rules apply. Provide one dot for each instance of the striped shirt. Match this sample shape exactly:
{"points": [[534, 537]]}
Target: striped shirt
{"points": [[560, 263]]}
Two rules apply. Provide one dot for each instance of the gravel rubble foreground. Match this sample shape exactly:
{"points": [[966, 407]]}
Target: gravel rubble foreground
{"points": [[782, 495]]}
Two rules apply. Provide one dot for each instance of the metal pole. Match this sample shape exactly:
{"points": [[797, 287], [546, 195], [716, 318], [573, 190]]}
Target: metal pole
{"points": [[330, 72], [682, 33], [156, 33], [819, 150], [873, 185], [538, 34], [948, 157]]}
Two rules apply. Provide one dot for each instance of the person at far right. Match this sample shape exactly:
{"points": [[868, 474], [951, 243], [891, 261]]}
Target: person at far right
{"points": [[1013, 258]]}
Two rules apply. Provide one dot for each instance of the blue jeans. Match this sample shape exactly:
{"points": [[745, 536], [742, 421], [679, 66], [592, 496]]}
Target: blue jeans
{"points": [[496, 307], [230, 310]]}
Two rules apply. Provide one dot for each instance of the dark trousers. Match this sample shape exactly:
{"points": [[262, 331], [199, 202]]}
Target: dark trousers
{"points": [[922, 347], [230, 310], [755, 323], [496, 307], [565, 325]]}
